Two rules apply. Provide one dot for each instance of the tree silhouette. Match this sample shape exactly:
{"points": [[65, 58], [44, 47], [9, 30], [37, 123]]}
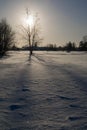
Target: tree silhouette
{"points": [[71, 46], [84, 38], [31, 34], [6, 36], [83, 44]]}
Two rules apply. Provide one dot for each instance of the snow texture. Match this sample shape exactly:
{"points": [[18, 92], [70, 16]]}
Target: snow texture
{"points": [[48, 92]]}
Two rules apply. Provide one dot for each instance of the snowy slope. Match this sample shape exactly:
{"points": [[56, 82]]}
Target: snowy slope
{"points": [[48, 92]]}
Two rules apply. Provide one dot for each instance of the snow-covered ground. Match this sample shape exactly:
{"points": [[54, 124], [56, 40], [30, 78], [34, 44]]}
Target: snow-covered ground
{"points": [[48, 92]]}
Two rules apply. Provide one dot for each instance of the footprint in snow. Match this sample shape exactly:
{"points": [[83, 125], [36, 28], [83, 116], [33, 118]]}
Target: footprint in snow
{"points": [[66, 98], [25, 89], [74, 118], [74, 106], [14, 107]]}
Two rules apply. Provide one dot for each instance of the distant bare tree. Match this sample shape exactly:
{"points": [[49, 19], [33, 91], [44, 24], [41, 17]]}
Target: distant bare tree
{"points": [[6, 36]]}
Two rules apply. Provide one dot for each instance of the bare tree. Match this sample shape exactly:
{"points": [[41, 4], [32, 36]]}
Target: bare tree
{"points": [[7, 36], [31, 30]]}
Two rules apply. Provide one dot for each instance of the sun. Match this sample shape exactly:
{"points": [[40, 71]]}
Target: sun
{"points": [[30, 20]]}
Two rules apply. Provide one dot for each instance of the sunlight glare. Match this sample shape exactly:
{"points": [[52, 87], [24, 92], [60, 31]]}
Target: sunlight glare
{"points": [[30, 21]]}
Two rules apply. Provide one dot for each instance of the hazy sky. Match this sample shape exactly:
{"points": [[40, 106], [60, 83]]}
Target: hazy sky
{"points": [[61, 20]]}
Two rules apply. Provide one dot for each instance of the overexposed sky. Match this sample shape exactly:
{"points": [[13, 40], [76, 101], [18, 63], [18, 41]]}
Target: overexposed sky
{"points": [[61, 20]]}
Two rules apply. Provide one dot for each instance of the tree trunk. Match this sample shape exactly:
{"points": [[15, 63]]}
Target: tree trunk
{"points": [[31, 50]]}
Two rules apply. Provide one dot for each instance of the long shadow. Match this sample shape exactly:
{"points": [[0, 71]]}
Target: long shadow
{"points": [[22, 103], [38, 58]]}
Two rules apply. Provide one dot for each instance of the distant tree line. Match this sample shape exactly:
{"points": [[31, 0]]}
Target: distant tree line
{"points": [[7, 41], [70, 46]]}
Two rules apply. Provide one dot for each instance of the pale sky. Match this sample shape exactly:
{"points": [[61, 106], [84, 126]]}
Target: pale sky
{"points": [[61, 20]]}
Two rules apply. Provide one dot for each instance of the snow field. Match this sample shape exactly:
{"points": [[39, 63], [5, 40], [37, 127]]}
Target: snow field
{"points": [[48, 92]]}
